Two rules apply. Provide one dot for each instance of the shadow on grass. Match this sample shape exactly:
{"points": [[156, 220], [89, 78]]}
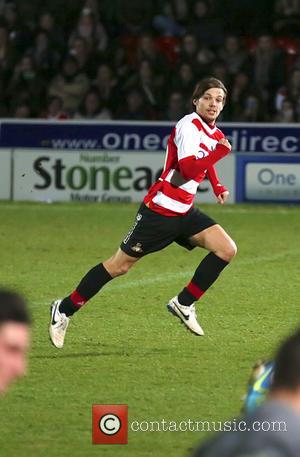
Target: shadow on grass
{"points": [[101, 354]]}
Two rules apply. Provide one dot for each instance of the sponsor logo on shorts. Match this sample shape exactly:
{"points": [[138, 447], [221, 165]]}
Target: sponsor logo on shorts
{"points": [[137, 247]]}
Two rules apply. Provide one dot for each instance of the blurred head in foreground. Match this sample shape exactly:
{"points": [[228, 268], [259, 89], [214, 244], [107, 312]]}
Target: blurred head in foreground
{"points": [[279, 379], [14, 338], [286, 380], [270, 428]]}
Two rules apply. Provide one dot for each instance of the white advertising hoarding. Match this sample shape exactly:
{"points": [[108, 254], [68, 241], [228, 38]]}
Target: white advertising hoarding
{"points": [[5, 174], [101, 176], [272, 181]]}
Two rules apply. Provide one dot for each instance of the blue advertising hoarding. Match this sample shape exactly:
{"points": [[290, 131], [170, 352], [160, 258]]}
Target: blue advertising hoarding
{"points": [[140, 136]]}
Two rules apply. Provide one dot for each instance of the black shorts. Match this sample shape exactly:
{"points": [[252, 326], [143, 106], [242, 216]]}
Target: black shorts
{"points": [[152, 231]]}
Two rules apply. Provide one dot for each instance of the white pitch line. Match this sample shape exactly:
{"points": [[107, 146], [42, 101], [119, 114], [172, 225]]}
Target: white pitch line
{"points": [[182, 274], [188, 273]]}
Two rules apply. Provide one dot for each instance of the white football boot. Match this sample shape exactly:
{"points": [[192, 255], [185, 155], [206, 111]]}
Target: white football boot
{"points": [[187, 314], [58, 325]]}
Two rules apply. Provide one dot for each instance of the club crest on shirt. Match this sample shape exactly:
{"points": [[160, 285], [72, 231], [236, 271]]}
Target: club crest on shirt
{"points": [[201, 154], [137, 247]]}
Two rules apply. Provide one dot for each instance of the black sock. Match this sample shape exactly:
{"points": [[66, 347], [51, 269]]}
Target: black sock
{"points": [[205, 275], [89, 286]]}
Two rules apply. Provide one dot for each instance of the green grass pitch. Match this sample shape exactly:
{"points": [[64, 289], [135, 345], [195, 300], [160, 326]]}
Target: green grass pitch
{"points": [[124, 347]]}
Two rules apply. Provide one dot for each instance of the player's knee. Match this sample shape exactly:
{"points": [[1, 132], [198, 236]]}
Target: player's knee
{"points": [[120, 268], [117, 266], [123, 268], [228, 251]]}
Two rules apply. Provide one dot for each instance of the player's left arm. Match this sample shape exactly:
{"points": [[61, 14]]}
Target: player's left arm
{"points": [[220, 191]]}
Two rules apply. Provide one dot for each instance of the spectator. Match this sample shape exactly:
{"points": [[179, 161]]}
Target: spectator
{"points": [[70, 85], [92, 6], [92, 108], [282, 408], [288, 8], [19, 35], [26, 80], [219, 71], [207, 28], [165, 22], [54, 109], [294, 83], [85, 59], [107, 85], [148, 84], [199, 57], [135, 109], [7, 54], [252, 110], [22, 111], [92, 30], [189, 49], [181, 10], [184, 80], [280, 97], [6, 64], [268, 64], [245, 17], [46, 60], [147, 50], [232, 55], [205, 60], [297, 109], [118, 59], [287, 17], [134, 17], [286, 113], [239, 92], [176, 107], [54, 32]]}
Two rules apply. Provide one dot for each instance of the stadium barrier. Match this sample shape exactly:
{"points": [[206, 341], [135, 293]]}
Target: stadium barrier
{"points": [[118, 161]]}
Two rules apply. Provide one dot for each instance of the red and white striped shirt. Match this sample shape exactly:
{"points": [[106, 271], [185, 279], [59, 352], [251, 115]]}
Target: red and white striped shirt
{"points": [[192, 151]]}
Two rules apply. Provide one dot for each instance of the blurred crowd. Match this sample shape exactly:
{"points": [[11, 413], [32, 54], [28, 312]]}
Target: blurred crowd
{"points": [[114, 59]]}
